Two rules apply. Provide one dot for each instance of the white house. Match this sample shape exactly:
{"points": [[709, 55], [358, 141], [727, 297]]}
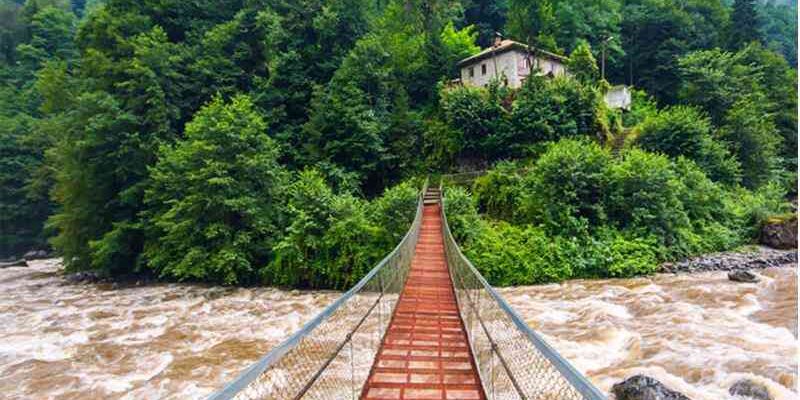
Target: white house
{"points": [[511, 62]]}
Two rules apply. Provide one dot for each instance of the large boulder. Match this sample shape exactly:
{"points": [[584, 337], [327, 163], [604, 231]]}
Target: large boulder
{"points": [[641, 387], [743, 276], [15, 263], [780, 233], [751, 389]]}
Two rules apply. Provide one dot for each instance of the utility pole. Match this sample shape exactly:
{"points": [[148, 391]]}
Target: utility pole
{"points": [[604, 44]]}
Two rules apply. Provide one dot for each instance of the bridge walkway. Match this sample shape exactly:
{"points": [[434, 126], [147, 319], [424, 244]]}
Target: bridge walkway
{"points": [[425, 354]]}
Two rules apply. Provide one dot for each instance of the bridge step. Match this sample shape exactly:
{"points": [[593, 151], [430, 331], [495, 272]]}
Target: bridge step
{"points": [[424, 354]]}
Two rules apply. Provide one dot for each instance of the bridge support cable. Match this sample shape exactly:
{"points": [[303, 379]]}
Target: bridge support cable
{"points": [[331, 356], [513, 361]]}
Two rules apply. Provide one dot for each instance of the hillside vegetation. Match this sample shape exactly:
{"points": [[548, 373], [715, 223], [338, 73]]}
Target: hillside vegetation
{"points": [[283, 141]]}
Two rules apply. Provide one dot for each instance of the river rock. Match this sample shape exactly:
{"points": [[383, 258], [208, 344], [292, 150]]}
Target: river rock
{"points": [[83, 277], [36, 255], [761, 257], [641, 387], [743, 276], [780, 233], [751, 389], [15, 263]]}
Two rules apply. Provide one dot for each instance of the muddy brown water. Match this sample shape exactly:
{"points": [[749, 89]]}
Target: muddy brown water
{"points": [[696, 333]]}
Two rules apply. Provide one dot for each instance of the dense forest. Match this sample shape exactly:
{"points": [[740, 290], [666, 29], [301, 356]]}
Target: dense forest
{"points": [[284, 141]]}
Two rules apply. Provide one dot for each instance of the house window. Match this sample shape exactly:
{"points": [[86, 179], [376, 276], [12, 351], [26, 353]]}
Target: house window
{"points": [[471, 72], [483, 69]]}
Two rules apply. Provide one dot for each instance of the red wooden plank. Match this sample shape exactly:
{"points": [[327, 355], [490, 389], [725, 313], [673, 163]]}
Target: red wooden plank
{"points": [[425, 354]]}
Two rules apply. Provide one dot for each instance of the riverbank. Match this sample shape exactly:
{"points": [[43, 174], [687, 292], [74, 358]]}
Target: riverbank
{"points": [[750, 257]]}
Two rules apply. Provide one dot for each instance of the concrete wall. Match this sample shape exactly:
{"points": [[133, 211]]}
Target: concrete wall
{"points": [[510, 64], [618, 97], [506, 66]]}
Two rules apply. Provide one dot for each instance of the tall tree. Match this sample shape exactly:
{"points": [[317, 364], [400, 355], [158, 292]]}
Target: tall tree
{"points": [[213, 210], [745, 24], [533, 22], [582, 65]]}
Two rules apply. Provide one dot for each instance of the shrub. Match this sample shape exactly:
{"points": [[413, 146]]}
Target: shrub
{"points": [[394, 211], [328, 241], [552, 109], [610, 253], [643, 197], [684, 131], [510, 255], [566, 187], [462, 214], [497, 192], [754, 140]]}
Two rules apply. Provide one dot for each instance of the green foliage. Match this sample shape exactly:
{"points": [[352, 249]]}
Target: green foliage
{"points": [[582, 65], [533, 22], [579, 212], [643, 197], [779, 28], [683, 131], [566, 187], [331, 240], [214, 201], [462, 214], [655, 33], [497, 192], [509, 255], [551, 109], [754, 141], [744, 26]]}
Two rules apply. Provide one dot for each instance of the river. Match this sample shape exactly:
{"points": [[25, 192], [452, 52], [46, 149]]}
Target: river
{"points": [[696, 333]]}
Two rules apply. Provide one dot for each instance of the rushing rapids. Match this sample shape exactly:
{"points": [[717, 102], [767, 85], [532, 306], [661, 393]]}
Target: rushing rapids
{"points": [[696, 333]]}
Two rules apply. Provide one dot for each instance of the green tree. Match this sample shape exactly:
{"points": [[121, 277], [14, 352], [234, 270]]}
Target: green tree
{"points": [[745, 24], [213, 205], [684, 131], [754, 140], [566, 188], [582, 65], [643, 198], [533, 22]]}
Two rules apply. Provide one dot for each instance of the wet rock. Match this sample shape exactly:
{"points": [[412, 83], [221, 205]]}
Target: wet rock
{"points": [[762, 257], [743, 276], [641, 387], [36, 255], [83, 277], [15, 263], [751, 389], [780, 233]]}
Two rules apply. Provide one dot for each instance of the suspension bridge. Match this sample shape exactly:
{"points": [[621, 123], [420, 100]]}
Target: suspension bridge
{"points": [[423, 325]]}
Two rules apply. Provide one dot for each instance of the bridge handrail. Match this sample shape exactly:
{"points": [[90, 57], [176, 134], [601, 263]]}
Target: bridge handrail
{"points": [[399, 257], [566, 383]]}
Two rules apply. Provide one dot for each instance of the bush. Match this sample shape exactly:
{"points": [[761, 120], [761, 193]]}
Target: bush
{"points": [[684, 131], [510, 255], [754, 140], [394, 211], [610, 253], [328, 242], [643, 196], [497, 192], [462, 215], [565, 189], [548, 109]]}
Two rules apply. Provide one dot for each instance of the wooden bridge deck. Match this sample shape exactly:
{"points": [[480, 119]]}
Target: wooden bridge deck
{"points": [[425, 354]]}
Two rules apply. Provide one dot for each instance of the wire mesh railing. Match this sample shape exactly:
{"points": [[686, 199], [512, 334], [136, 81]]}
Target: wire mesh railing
{"points": [[513, 361], [331, 356]]}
